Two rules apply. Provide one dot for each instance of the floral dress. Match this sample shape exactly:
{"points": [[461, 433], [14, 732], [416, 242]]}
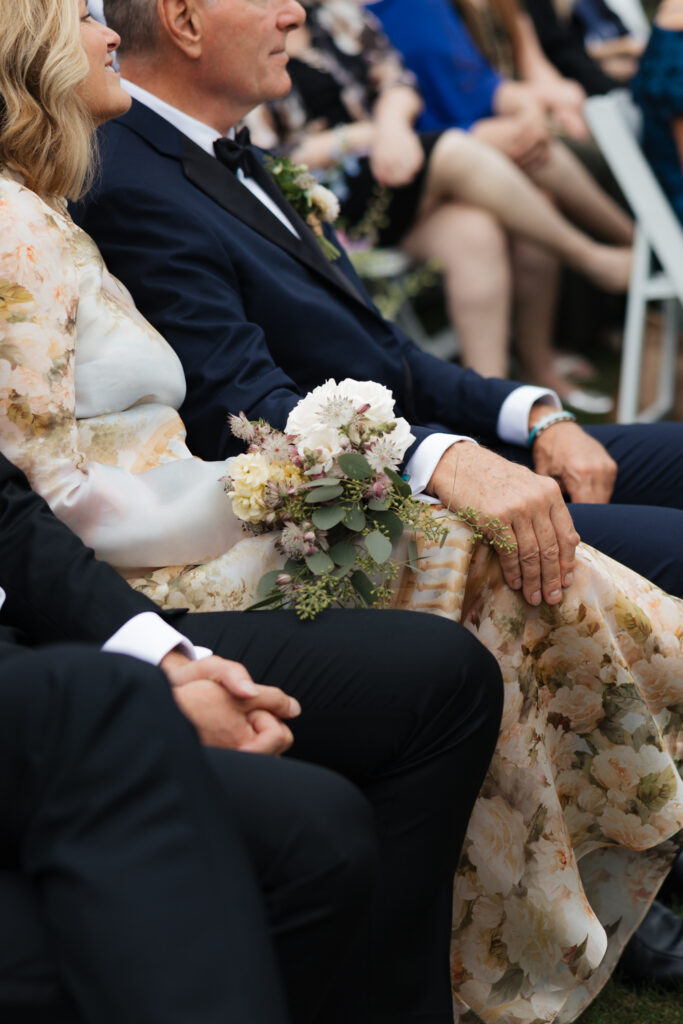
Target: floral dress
{"points": [[89, 393], [576, 825]]}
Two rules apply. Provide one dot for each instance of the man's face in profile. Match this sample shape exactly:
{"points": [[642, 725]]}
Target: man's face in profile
{"points": [[244, 49]]}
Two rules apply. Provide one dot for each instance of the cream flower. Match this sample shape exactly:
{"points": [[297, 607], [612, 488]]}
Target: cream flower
{"points": [[249, 475], [497, 834], [619, 769], [561, 747], [628, 830], [661, 680], [582, 706], [325, 203], [482, 954]]}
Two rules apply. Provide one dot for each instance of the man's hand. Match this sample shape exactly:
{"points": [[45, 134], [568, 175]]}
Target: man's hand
{"points": [[579, 463], [529, 506], [227, 708]]}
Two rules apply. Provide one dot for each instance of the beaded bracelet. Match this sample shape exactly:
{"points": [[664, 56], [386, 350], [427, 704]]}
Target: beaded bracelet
{"points": [[547, 421]]}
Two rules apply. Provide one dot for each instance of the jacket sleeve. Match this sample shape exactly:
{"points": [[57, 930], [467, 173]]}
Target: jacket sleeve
{"points": [[56, 589]]}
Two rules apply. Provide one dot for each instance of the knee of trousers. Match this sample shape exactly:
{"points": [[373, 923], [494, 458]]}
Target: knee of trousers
{"points": [[449, 671], [73, 693], [337, 837]]}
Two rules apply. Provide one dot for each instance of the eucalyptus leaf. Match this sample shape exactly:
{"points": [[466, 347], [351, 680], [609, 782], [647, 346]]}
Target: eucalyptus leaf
{"points": [[378, 545], [393, 526], [266, 583], [320, 494], [344, 553], [363, 587], [399, 483], [268, 602], [321, 481], [355, 466], [328, 516], [354, 518], [292, 566], [341, 571], [378, 504], [319, 563]]}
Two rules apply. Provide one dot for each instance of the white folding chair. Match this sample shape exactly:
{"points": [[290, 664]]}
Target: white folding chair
{"points": [[615, 123]]}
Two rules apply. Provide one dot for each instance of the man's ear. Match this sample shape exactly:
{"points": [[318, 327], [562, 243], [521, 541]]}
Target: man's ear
{"points": [[181, 23]]}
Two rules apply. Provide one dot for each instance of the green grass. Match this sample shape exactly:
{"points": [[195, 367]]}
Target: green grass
{"points": [[622, 1004]]}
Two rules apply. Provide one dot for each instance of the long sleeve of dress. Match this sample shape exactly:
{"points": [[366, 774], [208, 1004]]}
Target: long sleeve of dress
{"points": [[146, 502]]}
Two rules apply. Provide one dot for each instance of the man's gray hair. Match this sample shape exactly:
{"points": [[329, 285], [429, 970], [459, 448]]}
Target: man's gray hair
{"points": [[136, 21]]}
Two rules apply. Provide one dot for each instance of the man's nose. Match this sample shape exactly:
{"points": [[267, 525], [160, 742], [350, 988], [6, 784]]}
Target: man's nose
{"points": [[292, 15]]}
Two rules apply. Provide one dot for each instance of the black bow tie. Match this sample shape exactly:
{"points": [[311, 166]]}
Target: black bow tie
{"points": [[237, 153]]}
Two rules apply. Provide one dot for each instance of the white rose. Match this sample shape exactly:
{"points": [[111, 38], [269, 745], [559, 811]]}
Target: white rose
{"points": [[497, 835], [367, 392], [325, 440]]}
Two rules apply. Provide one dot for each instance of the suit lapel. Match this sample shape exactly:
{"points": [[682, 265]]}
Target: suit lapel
{"points": [[221, 185]]}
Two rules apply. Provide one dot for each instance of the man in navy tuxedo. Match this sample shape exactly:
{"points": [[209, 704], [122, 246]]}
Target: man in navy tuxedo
{"points": [[142, 880], [236, 281]]}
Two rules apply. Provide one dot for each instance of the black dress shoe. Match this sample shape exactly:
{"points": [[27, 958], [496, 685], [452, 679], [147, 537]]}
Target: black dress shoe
{"points": [[655, 951], [672, 890]]}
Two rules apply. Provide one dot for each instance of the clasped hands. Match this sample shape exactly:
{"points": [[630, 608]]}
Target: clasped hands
{"points": [[227, 708], [530, 505]]}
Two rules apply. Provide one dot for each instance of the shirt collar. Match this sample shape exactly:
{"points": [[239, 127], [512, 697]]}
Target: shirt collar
{"points": [[201, 134]]}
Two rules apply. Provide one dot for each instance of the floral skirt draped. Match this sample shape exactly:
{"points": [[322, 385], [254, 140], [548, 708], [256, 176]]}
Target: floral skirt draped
{"points": [[576, 825]]}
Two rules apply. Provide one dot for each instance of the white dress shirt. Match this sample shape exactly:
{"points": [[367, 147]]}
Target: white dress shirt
{"points": [[513, 419]]}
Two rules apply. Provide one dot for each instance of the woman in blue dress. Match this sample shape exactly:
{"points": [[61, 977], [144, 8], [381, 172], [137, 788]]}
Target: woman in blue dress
{"points": [[658, 91]]}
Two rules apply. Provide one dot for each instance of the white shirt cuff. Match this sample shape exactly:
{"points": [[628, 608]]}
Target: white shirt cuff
{"points": [[149, 637], [513, 418], [424, 460]]}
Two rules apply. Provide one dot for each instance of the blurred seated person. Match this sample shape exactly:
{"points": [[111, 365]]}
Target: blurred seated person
{"points": [[607, 40], [439, 195], [658, 91], [561, 36]]}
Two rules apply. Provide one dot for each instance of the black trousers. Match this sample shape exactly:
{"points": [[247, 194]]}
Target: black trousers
{"points": [[408, 707], [140, 886]]}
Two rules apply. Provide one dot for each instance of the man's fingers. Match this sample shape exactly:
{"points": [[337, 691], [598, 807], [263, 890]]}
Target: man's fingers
{"points": [[276, 701], [549, 550], [529, 561], [568, 540], [272, 736]]}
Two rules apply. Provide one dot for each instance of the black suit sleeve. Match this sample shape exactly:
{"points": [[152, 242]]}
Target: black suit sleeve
{"points": [[563, 46], [56, 589]]}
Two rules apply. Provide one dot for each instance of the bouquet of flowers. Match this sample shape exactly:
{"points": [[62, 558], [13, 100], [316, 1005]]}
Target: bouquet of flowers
{"points": [[330, 486]]}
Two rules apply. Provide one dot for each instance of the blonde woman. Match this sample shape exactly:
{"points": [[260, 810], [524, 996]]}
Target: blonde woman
{"points": [[585, 768]]}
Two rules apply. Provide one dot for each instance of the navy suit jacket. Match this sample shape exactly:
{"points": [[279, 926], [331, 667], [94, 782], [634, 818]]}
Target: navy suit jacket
{"points": [[257, 316], [56, 589]]}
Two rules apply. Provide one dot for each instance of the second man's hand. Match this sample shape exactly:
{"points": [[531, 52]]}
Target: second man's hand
{"points": [[529, 506]]}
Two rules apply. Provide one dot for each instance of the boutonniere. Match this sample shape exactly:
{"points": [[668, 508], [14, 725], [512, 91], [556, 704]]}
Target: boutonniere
{"points": [[313, 202]]}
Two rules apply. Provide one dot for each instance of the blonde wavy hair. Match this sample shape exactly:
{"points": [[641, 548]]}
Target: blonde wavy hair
{"points": [[46, 132]]}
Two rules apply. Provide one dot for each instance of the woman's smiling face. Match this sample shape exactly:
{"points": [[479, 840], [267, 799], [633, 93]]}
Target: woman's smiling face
{"points": [[101, 89]]}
